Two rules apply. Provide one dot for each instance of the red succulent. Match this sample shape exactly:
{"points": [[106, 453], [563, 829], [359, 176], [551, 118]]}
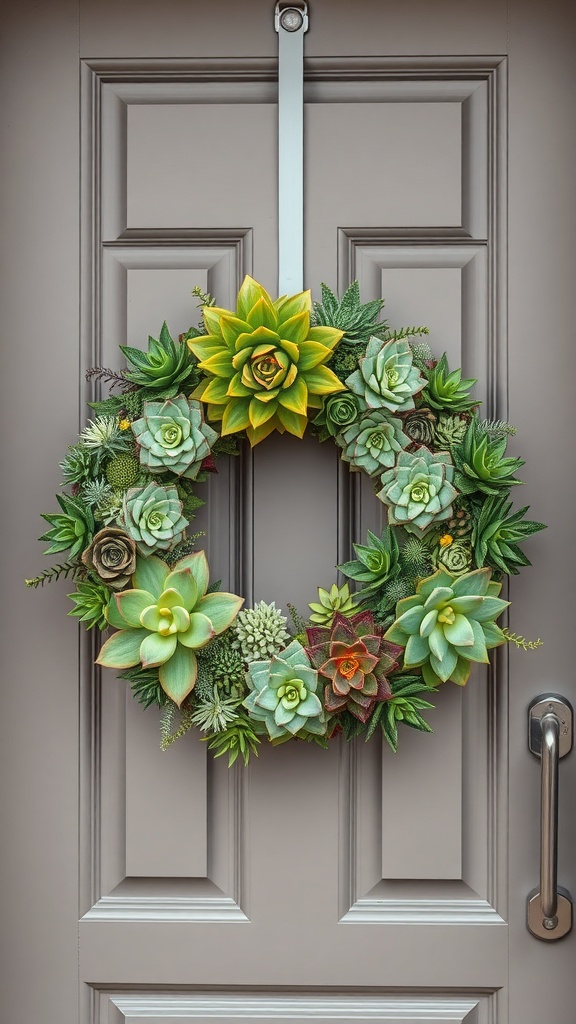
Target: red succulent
{"points": [[355, 659]]}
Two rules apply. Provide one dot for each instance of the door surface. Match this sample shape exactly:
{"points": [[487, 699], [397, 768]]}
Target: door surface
{"points": [[140, 160]]}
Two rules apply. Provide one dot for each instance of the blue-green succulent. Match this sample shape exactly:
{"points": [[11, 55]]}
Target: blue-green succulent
{"points": [[448, 624], [418, 489], [373, 442], [386, 376], [283, 695], [152, 516], [173, 435]]}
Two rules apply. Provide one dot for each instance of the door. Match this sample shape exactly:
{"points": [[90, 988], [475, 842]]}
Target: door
{"points": [[348, 884]]}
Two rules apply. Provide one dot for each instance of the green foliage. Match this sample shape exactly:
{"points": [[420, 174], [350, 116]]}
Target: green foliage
{"points": [[190, 501], [78, 465], [448, 391], [482, 465], [104, 438], [449, 431], [183, 715], [377, 561], [403, 333], [185, 547], [239, 739], [521, 642], [300, 624], [496, 535], [145, 686], [422, 354], [215, 712], [112, 406], [357, 320], [133, 402], [91, 600], [495, 430], [165, 369], [404, 706], [123, 471], [345, 359], [227, 445], [72, 528], [224, 665], [71, 568]]}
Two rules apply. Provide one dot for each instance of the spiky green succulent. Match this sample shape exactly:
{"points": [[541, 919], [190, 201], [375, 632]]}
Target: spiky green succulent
{"points": [[264, 364], [448, 624], [223, 665], [72, 528], [165, 618], [90, 600], [418, 489], [404, 707], [165, 369], [448, 391], [386, 376], [376, 563], [481, 464], [449, 431], [239, 739], [357, 320], [173, 435], [337, 599], [104, 438], [152, 516], [373, 442], [260, 632], [78, 465], [215, 712], [337, 413], [497, 535], [283, 695]]}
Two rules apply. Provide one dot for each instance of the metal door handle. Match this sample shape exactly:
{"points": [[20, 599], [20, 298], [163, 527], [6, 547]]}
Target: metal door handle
{"points": [[549, 738]]}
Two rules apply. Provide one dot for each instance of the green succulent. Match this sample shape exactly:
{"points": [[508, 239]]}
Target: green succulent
{"points": [[357, 320], [264, 364], [386, 377], [283, 695], [165, 619], [418, 490], [260, 632], [225, 665], [450, 430], [122, 471], [404, 707], [104, 438], [373, 442], [453, 554], [215, 713], [165, 369], [78, 465], [337, 599], [448, 624], [91, 601], [377, 561], [496, 535], [72, 528], [152, 516], [448, 391], [172, 435], [239, 739], [481, 464], [337, 413]]}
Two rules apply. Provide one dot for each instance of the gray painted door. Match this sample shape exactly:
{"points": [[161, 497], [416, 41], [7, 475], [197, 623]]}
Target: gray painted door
{"points": [[342, 885]]}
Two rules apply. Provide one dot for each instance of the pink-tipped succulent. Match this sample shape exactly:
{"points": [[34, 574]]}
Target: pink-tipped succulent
{"points": [[355, 660]]}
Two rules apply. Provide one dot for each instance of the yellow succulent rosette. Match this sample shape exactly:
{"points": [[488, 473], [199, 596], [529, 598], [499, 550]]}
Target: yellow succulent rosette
{"points": [[264, 364]]}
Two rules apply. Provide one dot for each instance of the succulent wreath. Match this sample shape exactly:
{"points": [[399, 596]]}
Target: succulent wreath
{"points": [[424, 596]]}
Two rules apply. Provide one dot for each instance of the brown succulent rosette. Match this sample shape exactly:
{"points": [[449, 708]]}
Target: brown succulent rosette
{"points": [[355, 659], [420, 425], [112, 556]]}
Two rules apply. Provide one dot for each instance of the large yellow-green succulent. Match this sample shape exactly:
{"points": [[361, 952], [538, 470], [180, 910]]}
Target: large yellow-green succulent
{"points": [[264, 364]]}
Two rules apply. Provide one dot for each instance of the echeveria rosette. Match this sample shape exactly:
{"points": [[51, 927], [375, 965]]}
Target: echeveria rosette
{"points": [[386, 376], [453, 554], [373, 442], [264, 364], [152, 516], [355, 660], [112, 557], [418, 490], [173, 435], [448, 624], [283, 695], [165, 618], [376, 562], [420, 425], [164, 369], [497, 534], [448, 391], [337, 599], [337, 413], [481, 464]]}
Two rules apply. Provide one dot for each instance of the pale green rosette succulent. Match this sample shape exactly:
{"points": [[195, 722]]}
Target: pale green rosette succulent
{"points": [[283, 695], [373, 443], [418, 490], [173, 435], [165, 619], [448, 624], [152, 516], [386, 377]]}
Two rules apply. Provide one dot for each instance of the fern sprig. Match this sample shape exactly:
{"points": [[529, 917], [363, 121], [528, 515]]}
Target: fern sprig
{"points": [[521, 642], [63, 570]]}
